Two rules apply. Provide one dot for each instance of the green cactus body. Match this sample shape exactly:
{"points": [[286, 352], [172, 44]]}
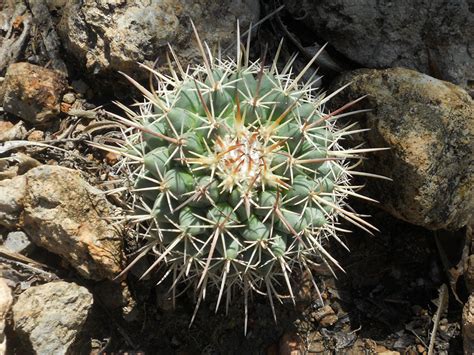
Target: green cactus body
{"points": [[242, 169]]}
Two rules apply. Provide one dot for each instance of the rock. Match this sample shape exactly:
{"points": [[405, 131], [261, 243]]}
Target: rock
{"points": [[64, 214], [6, 300], [290, 344], [50, 43], [11, 132], [434, 37], [7, 171], [16, 164], [111, 158], [25, 162], [325, 316], [18, 242], [428, 125], [468, 326], [315, 343], [69, 98], [36, 136], [420, 348], [32, 92], [111, 36], [12, 193], [48, 318], [15, 24], [65, 107]]}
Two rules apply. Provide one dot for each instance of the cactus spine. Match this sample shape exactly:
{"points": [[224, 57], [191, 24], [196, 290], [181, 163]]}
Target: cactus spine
{"points": [[236, 175]]}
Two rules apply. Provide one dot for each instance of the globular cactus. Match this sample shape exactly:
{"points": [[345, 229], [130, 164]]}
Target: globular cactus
{"points": [[236, 175]]}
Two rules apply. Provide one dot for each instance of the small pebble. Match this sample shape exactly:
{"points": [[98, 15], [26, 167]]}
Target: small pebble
{"points": [[18, 242], [69, 98], [89, 106], [36, 136], [111, 158], [33, 59], [65, 107]]}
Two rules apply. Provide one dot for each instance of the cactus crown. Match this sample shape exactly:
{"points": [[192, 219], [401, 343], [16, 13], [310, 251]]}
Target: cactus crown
{"points": [[237, 175]]}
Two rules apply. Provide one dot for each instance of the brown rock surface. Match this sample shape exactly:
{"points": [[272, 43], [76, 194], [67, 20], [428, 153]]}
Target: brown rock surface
{"points": [[32, 92], [428, 124], [63, 214]]}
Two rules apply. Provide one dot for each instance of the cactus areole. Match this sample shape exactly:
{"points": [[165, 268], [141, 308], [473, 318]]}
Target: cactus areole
{"points": [[236, 176]]}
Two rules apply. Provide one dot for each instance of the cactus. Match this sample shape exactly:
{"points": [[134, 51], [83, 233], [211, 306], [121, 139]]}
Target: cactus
{"points": [[236, 176]]}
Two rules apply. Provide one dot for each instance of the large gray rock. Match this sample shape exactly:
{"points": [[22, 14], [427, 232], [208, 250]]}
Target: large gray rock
{"points": [[107, 36], [48, 318], [64, 214], [428, 125], [435, 37]]}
